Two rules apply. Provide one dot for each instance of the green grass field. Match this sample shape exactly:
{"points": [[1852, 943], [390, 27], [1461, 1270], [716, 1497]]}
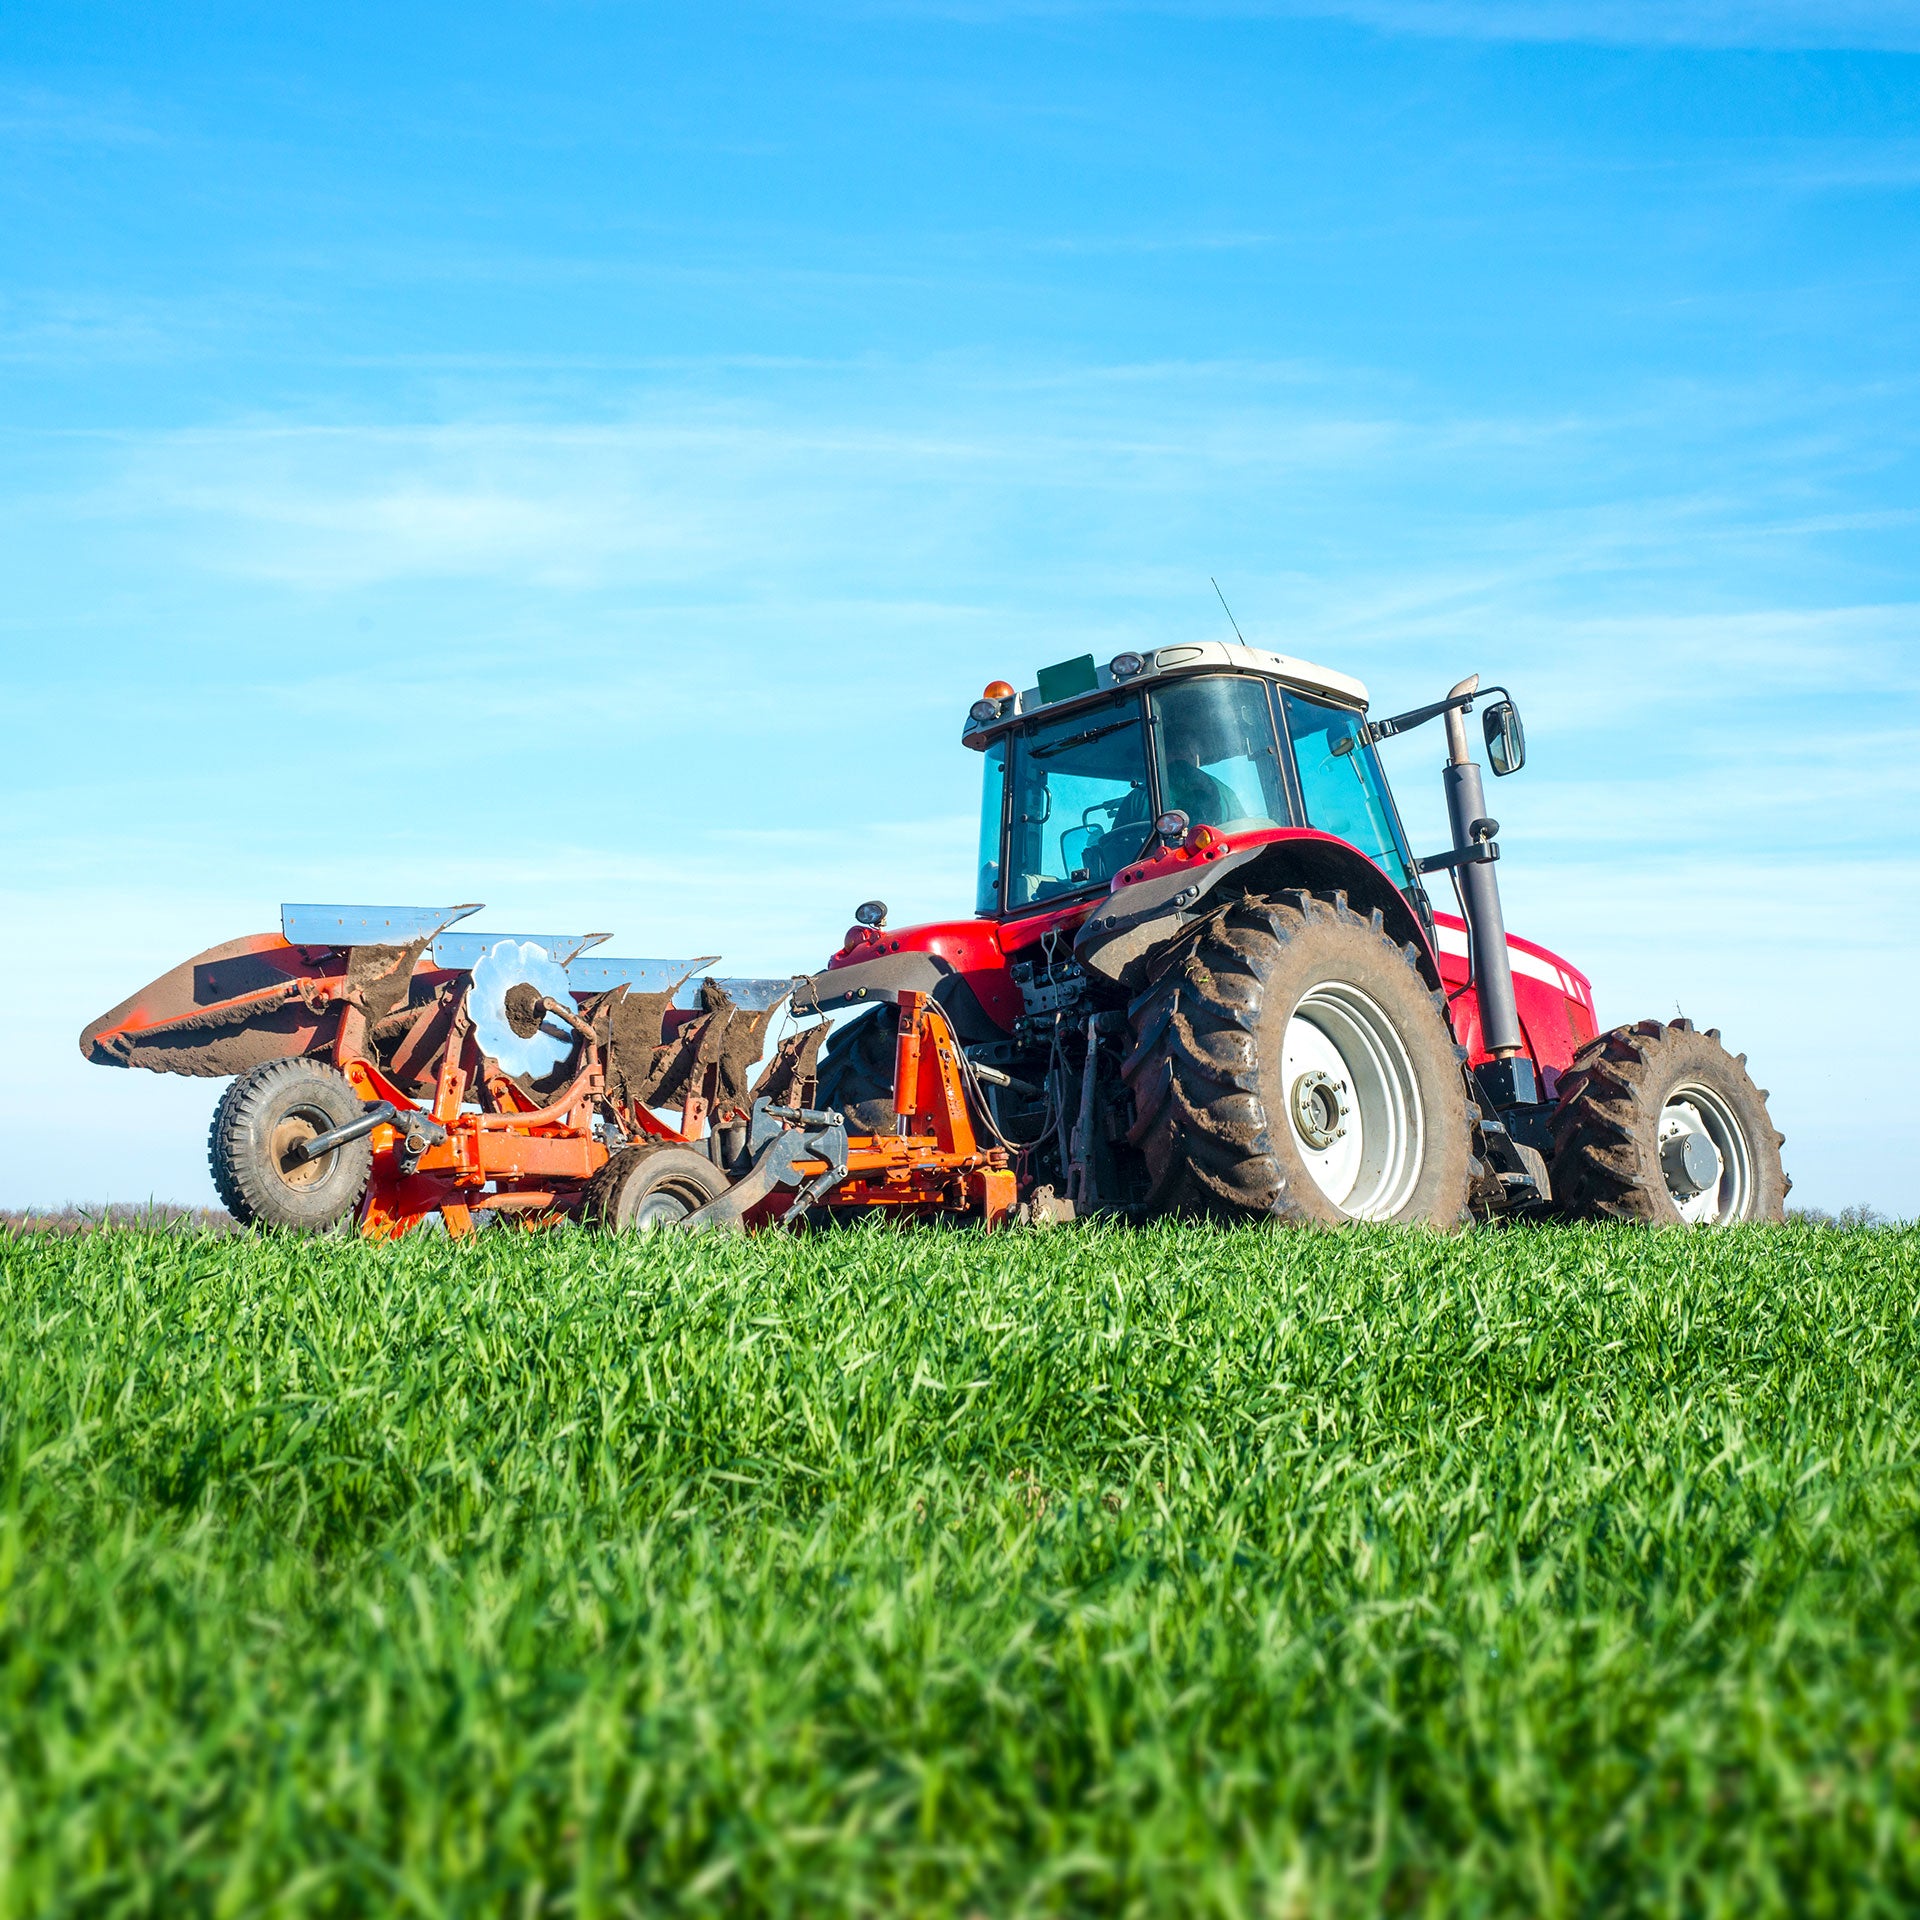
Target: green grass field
{"points": [[1183, 1571]]}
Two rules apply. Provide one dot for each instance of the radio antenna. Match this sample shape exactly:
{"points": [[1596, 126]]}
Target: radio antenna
{"points": [[1231, 621]]}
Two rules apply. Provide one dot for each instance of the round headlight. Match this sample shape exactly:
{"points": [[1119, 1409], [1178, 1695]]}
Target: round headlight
{"points": [[1123, 666], [1171, 826], [984, 710]]}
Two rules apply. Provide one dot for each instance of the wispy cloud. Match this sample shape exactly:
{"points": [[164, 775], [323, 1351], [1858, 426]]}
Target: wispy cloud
{"points": [[40, 117], [670, 499], [1889, 25], [914, 466], [80, 332]]}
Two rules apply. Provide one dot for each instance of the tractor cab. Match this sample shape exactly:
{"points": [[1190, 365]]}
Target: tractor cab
{"points": [[1097, 768], [1203, 976]]}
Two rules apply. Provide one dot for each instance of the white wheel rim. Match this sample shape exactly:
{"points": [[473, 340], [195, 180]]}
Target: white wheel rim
{"points": [[1697, 1112], [1340, 1047], [664, 1206], [673, 1197]]}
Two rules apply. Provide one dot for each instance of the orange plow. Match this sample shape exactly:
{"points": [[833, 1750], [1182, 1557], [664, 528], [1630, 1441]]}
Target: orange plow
{"points": [[389, 1068], [933, 1164]]}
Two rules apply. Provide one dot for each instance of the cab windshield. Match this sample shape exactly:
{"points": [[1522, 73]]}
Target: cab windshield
{"points": [[1079, 807], [1071, 799], [1219, 762]]}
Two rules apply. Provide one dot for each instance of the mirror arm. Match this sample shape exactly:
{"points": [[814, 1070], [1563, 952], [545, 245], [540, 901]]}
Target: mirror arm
{"points": [[1404, 722], [1481, 853], [1376, 730]]}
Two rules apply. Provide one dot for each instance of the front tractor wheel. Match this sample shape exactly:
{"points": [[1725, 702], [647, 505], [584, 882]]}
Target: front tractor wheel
{"points": [[253, 1148], [1293, 1064], [1660, 1124]]}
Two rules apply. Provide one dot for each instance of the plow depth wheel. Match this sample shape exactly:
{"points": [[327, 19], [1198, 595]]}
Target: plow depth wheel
{"points": [[642, 1189], [252, 1150]]}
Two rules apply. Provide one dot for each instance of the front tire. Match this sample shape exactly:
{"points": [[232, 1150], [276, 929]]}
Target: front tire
{"points": [[1292, 1064], [1660, 1124], [263, 1117]]}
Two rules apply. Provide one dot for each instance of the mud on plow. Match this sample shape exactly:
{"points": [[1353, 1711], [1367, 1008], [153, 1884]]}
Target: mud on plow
{"points": [[390, 1065]]}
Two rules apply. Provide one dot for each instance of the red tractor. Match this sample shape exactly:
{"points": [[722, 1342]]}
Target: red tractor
{"points": [[1204, 975]]}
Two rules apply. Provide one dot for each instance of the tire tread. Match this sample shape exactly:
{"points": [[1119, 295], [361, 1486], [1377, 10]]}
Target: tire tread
{"points": [[230, 1135], [1194, 1066], [1606, 1118]]}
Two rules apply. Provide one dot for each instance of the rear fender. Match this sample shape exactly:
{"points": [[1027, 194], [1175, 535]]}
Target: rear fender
{"points": [[1132, 931], [910, 970]]}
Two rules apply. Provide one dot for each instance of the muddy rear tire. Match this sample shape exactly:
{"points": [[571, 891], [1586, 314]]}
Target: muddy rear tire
{"points": [[1660, 1124], [263, 1116], [1293, 1064], [856, 1070], [642, 1189]]}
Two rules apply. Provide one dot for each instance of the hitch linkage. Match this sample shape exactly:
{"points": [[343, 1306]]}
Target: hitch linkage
{"points": [[778, 1139]]}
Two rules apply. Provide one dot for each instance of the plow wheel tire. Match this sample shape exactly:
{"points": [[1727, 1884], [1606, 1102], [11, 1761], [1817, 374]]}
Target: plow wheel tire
{"points": [[856, 1071], [264, 1116], [1292, 1064], [1660, 1124], [643, 1188]]}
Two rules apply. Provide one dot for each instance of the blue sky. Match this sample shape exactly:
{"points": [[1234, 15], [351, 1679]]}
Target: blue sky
{"points": [[586, 458]]}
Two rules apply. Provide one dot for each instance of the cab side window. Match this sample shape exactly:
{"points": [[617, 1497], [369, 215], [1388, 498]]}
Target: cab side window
{"points": [[1340, 780], [993, 800]]}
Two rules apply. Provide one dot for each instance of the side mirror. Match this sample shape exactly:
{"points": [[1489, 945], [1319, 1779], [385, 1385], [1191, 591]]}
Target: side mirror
{"points": [[1506, 738]]}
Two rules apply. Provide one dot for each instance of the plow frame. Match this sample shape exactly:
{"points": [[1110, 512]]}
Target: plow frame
{"points": [[534, 1162], [933, 1165], [531, 1161], [514, 1156], [376, 1000]]}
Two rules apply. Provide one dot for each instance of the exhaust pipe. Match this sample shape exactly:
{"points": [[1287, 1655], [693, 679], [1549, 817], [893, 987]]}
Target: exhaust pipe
{"points": [[1479, 888]]}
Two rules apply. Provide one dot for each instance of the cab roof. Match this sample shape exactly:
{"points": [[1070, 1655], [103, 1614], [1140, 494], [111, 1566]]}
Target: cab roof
{"points": [[1091, 682]]}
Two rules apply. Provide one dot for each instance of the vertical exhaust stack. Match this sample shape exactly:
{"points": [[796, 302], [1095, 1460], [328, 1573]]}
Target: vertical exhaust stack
{"points": [[1480, 889]]}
